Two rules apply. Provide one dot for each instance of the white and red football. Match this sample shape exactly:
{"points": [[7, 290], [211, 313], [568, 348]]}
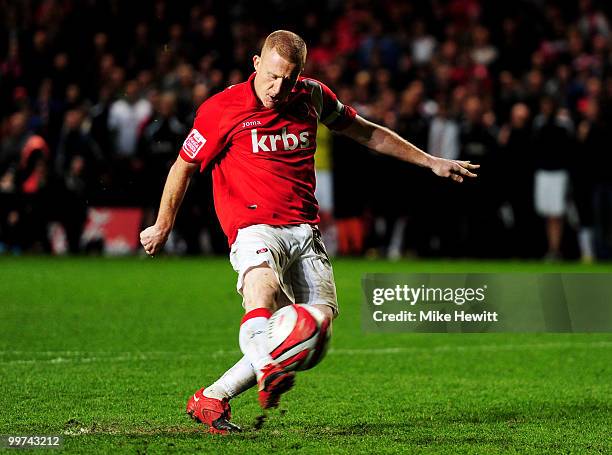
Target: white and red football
{"points": [[298, 336]]}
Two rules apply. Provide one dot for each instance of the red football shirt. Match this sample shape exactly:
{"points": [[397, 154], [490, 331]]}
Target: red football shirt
{"points": [[263, 159]]}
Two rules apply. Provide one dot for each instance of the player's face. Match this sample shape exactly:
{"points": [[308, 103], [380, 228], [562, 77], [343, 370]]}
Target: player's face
{"points": [[275, 78]]}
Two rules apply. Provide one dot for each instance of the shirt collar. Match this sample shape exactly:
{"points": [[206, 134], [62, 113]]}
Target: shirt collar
{"points": [[251, 99]]}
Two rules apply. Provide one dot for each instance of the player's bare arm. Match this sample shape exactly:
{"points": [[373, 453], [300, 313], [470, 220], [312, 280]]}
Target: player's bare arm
{"points": [[154, 237], [387, 142]]}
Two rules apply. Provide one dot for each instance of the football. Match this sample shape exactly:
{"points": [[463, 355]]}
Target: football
{"points": [[298, 336]]}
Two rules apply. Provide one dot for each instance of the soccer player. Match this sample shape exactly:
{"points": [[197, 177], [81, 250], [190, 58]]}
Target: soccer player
{"points": [[259, 137]]}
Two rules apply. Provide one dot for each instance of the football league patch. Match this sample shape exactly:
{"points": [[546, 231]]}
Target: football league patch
{"points": [[194, 143]]}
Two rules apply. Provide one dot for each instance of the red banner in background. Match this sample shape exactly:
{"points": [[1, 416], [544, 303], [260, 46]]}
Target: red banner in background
{"points": [[117, 228]]}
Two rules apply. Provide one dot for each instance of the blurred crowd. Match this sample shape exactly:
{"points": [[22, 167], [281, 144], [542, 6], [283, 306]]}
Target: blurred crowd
{"points": [[96, 97]]}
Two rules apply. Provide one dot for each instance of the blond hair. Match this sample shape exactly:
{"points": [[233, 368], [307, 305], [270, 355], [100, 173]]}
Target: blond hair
{"points": [[288, 45]]}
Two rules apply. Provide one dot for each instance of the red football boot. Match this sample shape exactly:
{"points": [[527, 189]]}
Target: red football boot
{"points": [[273, 383], [212, 412]]}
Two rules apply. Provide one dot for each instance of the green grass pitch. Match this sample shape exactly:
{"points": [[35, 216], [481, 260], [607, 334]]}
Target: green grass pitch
{"points": [[106, 352]]}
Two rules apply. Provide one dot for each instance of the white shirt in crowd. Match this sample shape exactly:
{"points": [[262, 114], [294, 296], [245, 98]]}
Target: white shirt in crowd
{"points": [[423, 48], [444, 138], [125, 119]]}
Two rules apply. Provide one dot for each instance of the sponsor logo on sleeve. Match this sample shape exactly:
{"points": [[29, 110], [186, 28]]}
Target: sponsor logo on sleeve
{"points": [[194, 143]]}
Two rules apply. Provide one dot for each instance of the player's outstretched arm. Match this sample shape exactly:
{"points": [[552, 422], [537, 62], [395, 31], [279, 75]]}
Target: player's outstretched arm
{"points": [[385, 141], [154, 237]]}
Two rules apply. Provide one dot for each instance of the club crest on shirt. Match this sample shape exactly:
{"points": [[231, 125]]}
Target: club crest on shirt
{"points": [[194, 143]]}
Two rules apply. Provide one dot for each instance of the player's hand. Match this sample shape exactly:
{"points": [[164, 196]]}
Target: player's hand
{"points": [[454, 169], [153, 239]]}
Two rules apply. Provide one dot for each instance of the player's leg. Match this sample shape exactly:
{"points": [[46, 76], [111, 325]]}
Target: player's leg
{"points": [[211, 406], [327, 311], [312, 276], [242, 376], [262, 293], [234, 381], [260, 256], [259, 287]]}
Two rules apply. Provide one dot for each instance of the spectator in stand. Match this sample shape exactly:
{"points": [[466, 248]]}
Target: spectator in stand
{"points": [[479, 145], [10, 213], [26, 152], [78, 164], [125, 119], [516, 141], [443, 141], [589, 138], [552, 146], [56, 57], [423, 44], [508, 93], [38, 60], [181, 83], [412, 228], [11, 75], [72, 192], [15, 138], [593, 184], [443, 138], [98, 116], [162, 135], [592, 20], [33, 181], [74, 142], [141, 54], [483, 52]]}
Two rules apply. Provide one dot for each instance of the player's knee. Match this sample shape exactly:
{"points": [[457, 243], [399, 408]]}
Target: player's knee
{"points": [[329, 313], [261, 289]]}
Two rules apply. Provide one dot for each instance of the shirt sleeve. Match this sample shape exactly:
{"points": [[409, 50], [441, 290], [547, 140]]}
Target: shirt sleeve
{"points": [[334, 114], [204, 141]]}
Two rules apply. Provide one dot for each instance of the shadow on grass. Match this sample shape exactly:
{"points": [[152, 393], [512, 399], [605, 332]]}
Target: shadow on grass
{"points": [[526, 413], [499, 427]]}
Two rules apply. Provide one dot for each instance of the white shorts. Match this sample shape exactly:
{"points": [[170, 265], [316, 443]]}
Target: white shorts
{"points": [[297, 257], [550, 188]]}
